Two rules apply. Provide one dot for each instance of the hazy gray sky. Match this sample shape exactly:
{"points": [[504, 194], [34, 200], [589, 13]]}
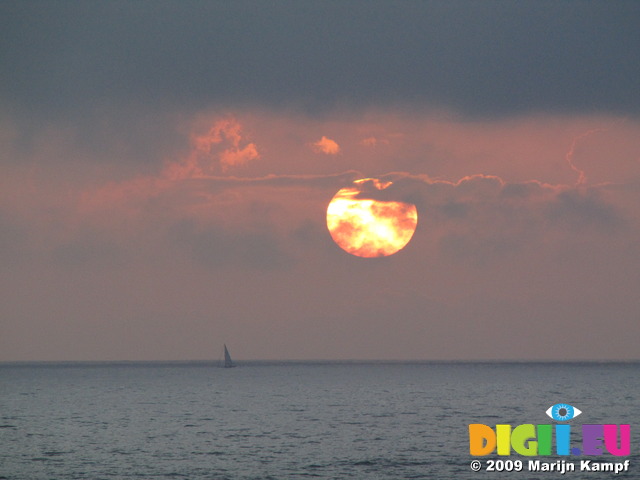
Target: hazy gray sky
{"points": [[165, 178]]}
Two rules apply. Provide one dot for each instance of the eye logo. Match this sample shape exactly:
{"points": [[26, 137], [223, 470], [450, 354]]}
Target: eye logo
{"points": [[562, 412]]}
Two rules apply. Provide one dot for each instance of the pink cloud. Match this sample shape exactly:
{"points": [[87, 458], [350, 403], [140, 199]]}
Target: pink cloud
{"points": [[238, 156], [221, 148], [327, 146]]}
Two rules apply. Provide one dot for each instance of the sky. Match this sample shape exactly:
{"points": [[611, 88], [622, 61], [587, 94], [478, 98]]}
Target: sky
{"points": [[166, 169]]}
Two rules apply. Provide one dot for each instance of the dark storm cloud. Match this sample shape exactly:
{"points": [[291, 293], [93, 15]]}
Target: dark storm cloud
{"points": [[479, 58]]}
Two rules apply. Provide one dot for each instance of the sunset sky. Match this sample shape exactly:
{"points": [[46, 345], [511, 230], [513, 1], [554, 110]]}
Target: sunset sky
{"points": [[166, 169]]}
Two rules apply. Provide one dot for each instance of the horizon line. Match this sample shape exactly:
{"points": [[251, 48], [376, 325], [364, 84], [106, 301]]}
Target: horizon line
{"points": [[355, 361]]}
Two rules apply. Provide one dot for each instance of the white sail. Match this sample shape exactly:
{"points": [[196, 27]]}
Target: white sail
{"points": [[228, 363]]}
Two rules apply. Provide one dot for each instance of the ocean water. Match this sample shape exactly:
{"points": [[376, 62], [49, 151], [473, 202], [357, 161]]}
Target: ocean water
{"points": [[292, 420]]}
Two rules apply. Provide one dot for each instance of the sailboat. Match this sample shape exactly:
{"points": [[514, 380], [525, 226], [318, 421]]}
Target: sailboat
{"points": [[228, 363]]}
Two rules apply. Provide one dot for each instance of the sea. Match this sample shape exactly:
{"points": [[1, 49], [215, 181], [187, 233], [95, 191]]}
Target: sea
{"points": [[298, 420]]}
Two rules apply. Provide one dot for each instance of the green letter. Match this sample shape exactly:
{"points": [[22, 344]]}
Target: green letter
{"points": [[523, 440]]}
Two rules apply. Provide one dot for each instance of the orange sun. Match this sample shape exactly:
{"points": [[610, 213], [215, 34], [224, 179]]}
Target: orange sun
{"points": [[366, 227]]}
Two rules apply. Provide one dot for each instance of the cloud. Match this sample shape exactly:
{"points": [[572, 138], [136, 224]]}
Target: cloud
{"points": [[227, 131], [584, 209], [571, 152], [326, 145], [433, 55], [373, 141], [238, 156], [204, 184], [218, 149]]}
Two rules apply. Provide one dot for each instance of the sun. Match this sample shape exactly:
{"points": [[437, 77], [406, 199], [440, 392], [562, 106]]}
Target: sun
{"points": [[367, 227]]}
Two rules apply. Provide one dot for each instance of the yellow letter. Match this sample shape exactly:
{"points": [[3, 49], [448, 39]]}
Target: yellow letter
{"points": [[503, 432]]}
